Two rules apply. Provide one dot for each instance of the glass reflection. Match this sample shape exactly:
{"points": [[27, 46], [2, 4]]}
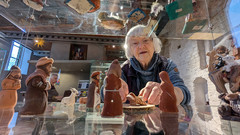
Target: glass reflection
{"points": [[158, 122]]}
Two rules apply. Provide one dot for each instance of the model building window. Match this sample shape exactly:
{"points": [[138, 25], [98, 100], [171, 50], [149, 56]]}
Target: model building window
{"points": [[19, 56], [78, 52]]}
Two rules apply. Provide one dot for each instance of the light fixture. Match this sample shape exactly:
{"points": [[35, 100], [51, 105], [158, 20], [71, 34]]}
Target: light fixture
{"points": [[113, 46], [39, 42]]}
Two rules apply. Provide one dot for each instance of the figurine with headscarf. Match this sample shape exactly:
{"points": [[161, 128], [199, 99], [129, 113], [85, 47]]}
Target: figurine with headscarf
{"points": [[93, 98], [8, 97]]}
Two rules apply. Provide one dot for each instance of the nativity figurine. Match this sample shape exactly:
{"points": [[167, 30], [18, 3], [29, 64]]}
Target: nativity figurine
{"points": [[113, 106], [93, 97], [37, 86], [70, 101], [8, 96]]}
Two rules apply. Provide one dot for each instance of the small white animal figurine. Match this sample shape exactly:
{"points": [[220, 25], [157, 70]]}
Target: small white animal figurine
{"points": [[70, 101], [230, 62]]}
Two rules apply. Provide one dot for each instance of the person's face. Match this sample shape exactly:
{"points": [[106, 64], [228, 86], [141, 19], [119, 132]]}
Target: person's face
{"points": [[142, 48], [49, 69], [16, 74], [53, 79]]}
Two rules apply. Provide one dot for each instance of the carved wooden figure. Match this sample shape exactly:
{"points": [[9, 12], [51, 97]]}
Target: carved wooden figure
{"points": [[8, 96], [93, 97], [215, 75], [70, 101], [112, 99], [37, 86]]}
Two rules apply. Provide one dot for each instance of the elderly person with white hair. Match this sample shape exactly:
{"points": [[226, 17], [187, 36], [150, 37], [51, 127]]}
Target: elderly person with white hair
{"points": [[142, 70]]}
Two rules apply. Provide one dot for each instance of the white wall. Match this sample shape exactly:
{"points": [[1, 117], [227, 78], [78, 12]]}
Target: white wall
{"points": [[96, 52], [60, 50], [187, 58], [70, 80]]}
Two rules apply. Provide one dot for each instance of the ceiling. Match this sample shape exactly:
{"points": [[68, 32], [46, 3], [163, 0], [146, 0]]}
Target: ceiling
{"points": [[57, 17]]}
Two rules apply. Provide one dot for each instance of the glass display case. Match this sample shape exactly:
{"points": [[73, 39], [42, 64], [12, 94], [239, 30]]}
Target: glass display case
{"points": [[2, 58], [200, 36]]}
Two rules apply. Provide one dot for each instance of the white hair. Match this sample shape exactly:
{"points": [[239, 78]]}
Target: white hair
{"points": [[138, 31]]}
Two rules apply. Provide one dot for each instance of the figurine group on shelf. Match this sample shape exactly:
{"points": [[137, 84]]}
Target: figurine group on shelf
{"points": [[224, 68]]}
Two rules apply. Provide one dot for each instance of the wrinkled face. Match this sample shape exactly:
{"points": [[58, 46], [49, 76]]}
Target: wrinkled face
{"points": [[142, 48], [16, 74], [49, 69], [53, 79]]}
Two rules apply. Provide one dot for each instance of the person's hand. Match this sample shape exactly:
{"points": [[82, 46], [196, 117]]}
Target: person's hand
{"points": [[123, 91], [233, 96], [151, 93], [161, 93]]}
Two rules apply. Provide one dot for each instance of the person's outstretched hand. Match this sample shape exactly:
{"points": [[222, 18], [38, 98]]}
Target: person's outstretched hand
{"points": [[123, 91], [161, 93]]}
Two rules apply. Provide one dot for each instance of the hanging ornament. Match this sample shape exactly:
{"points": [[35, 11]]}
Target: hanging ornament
{"points": [[179, 8], [111, 22], [35, 4], [81, 6], [97, 6], [136, 15], [39, 42], [4, 3], [154, 18]]}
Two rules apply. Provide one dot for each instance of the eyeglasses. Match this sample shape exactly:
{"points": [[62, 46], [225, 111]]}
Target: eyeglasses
{"points": [[143, 41]]}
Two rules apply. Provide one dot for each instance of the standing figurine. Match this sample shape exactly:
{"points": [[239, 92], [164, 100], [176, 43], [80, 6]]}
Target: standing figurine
{"points": [[10, 85], [93, 97], [70, 100], [8, 96], [112, 99], [37, 86]]}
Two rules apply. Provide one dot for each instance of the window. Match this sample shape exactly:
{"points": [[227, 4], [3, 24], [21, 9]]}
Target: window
{"points": [[19, 56]]}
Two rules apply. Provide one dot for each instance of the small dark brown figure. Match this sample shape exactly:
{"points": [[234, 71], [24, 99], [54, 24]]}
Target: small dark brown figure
{"points": [[93, 97], [37, 86]]}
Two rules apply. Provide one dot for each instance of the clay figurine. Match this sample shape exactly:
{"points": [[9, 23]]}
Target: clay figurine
{"points": [[111, 22], [10, 85], [8, 96], [112, 99], [93, 97], [168, 100], [70, 101], [230, 110], [4, 3], [215, 74], [37, 86], [135, 100], [35, 4]]}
